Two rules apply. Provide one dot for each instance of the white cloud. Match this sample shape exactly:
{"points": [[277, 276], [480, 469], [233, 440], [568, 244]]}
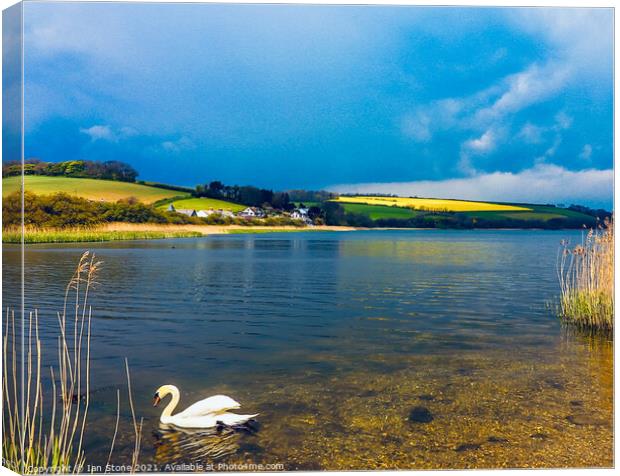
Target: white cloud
{"points": [[105, 132], [490, 106], [531, 133], [550, 152], [562, 121], [128, 132], [489, 111], [485, 143], [479, 146], [544, 183], [581, 37], [182, 144], [586, 152], [93, 30], [499, 55], [99, 132], [416, 126], [579, 41], [533, 85]]}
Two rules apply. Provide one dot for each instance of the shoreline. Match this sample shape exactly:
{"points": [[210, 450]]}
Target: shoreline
{"points": [[206, 230], [118, 231], [145, 231]]}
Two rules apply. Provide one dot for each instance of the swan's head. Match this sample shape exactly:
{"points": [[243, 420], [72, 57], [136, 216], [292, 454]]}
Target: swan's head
{"points": [[162, 392]]}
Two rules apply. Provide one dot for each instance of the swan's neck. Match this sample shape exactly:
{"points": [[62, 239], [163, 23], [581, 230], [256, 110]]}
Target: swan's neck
{"points": [[172, 404]]}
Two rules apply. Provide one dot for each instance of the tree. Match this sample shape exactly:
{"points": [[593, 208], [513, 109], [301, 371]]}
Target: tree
{"points": [[216, 187], [119, 171], [334, 214], [315, 212]]}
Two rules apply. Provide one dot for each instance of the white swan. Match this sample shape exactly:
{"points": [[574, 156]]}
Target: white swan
{"points": [[207, 413]]}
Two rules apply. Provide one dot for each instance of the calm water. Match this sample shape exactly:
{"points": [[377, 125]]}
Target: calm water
{"points": [[335, 338]]}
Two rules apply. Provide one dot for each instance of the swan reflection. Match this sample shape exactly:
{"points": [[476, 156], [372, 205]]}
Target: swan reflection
{"points": [[182, 445]]}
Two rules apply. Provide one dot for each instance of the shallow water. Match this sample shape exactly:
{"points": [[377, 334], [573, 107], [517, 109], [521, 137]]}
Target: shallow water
{"points": [[341, 341]]}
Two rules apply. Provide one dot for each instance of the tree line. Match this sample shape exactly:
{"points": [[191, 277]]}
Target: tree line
{"points": [[108, 170], [246, 195]]}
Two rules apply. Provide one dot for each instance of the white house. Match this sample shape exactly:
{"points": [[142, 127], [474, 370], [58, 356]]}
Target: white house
{"points": [[171, 208], [204, 213], [251, 212], [248, 212], [300, 214]]}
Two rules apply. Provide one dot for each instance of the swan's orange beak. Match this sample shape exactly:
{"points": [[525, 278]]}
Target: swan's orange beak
{"points": [[156, 399]]}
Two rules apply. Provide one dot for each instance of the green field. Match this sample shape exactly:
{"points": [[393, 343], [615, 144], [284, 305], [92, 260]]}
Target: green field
{"points": [[511, 212], [432, 204], [91, 189], [206, 204], [375, 212], [539, 212]]}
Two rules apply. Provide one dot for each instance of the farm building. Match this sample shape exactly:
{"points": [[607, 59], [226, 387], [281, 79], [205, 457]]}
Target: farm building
{"points": [[252, 212], [299, 213], [189, 213]]}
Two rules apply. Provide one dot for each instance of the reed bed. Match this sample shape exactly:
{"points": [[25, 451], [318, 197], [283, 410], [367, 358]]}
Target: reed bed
{"points": [[586, 276], [74, 235], [40, 436]]}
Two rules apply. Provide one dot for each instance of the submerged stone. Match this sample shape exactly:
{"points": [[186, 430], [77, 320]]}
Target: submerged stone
{"points": [[496, 439], [251, 448], [420, 415], [584, 419], [553, 383], [369, 393], [467, 447], [391, 439], [291, 407]]}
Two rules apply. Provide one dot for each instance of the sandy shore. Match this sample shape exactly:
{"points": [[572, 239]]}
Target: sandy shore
{"points": [[214, 229]]}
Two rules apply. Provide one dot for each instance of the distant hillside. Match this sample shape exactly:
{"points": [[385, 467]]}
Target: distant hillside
{"points": [[445, 213], [432, 204], [91, 189], [362, 211]]}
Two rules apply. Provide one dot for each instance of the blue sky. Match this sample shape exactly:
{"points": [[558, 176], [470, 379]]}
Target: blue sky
{"points": [[511, 104]]}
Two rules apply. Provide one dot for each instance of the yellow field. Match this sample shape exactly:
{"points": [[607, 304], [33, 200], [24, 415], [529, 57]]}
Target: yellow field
{"points": [[91, 189], [433, 204]]}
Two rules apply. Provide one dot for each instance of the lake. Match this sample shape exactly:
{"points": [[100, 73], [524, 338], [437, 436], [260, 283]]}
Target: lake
{"points": [[360, 350]]}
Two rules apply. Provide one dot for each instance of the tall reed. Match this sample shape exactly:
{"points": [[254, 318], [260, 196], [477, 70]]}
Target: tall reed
{"points": [[586, 276], [73, 235], [49, 438]]}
